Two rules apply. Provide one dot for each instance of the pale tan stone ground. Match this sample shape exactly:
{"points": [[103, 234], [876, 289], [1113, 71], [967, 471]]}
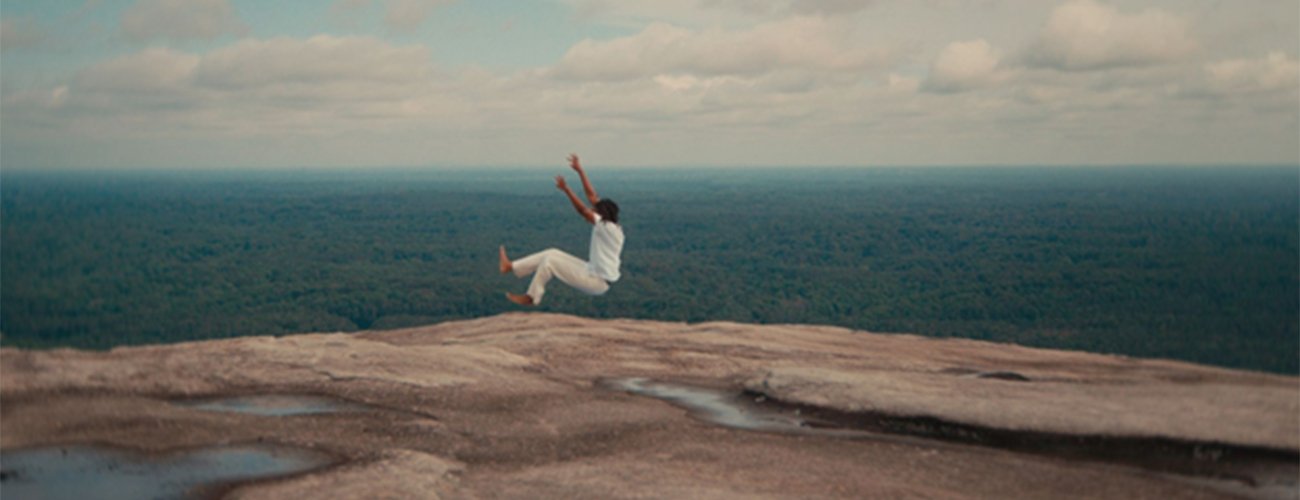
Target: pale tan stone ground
{"points": [[510, 407]]}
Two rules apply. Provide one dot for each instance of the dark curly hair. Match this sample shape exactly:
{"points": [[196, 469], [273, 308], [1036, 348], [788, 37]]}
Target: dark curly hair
{"points": [[607, 209]]}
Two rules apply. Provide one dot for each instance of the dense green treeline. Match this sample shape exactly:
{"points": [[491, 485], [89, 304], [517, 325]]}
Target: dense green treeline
{"points": [[1189, 263]]}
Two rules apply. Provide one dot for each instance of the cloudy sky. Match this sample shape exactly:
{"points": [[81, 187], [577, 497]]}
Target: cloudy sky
{"points": [[358, 83]]}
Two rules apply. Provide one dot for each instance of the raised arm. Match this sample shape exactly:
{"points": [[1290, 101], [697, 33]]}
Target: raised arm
{"points": [[582, 209], [586, 184]]}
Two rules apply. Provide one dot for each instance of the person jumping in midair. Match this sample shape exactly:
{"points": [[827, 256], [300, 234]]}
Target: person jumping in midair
{"points": [[593, 277]]}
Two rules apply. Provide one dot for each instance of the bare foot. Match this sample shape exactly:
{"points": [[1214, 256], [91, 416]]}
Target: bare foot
{"points": [[523, 300], [505, 261]]}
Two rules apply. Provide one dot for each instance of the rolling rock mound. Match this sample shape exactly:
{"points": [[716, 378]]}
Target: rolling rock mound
{"points": [[555, 406]]}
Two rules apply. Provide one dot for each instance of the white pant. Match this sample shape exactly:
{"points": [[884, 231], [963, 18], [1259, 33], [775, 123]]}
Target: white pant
{"points": [[550, 263]]}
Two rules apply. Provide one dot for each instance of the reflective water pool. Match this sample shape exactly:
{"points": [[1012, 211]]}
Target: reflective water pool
{"points": [[273, 405], [721, 407], [85, 472]]}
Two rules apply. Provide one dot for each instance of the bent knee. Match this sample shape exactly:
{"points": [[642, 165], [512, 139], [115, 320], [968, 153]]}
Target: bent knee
{"points": [[548, 256]]}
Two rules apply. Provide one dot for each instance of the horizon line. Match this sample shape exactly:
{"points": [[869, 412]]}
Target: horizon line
{"points": [[509, 167]]}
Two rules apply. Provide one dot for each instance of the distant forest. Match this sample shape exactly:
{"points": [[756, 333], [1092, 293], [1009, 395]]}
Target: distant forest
{"points": [[1199, 264]]}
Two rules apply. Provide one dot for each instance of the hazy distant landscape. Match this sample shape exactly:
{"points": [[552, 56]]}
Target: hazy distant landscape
{"points": [[1188, 263]]}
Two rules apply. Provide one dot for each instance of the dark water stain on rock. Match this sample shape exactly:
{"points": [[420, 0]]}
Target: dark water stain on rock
{"points": [[747, 411], [715, 406], [273, 405], [82, 472], [1002, 375], [1252, 472], [986, 374]]}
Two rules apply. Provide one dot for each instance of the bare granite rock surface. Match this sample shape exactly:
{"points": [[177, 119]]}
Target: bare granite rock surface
{"points": [[513, 406]]}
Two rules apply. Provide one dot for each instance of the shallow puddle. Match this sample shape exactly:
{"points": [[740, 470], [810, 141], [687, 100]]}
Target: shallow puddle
{"points": [[720, 407], [91, 472], [273, 405], [747, 411]]}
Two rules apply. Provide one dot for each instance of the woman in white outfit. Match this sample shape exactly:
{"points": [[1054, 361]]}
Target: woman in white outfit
{"points": [[593, 277]]}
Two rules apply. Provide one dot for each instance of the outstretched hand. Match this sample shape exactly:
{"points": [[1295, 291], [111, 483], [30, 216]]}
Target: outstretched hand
{"points": [[574, 163], [585, 212]]}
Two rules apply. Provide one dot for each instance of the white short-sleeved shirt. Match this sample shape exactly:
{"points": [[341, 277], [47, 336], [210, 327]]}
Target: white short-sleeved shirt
{"points": [[606, 247]]}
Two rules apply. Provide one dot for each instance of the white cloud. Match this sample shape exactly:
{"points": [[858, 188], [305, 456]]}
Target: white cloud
{"points": [[1275, 72], [962, 66], [319, 60], [38, 98], [760, 8], [677, 82], [802, 43], [406, 15], [180, 20], [402, 16], [902, 84], [829, 7], [150, 71], [710, 13], [1087, 35], [638, 13], [279, 86], [749, 82], [19, 32]]}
